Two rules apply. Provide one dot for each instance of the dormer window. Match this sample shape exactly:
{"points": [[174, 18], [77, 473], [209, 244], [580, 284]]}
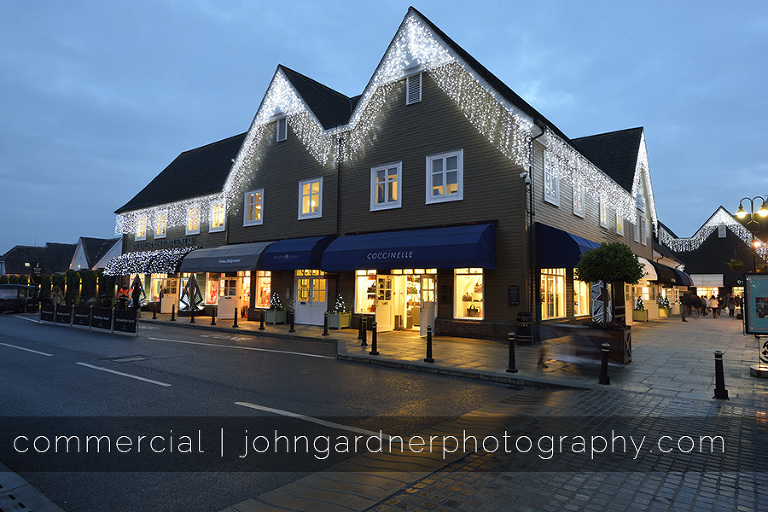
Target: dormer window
{"points": [[282, 129], [413, 89]]}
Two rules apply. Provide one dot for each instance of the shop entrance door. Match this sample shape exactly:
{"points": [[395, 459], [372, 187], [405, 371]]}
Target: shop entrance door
{"points": [[227, 298], [170, 294], [384, 304], [311, 303], [428, 303]]}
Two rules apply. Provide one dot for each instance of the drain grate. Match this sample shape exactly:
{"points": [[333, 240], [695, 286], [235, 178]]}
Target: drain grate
{"points": [[127, 359]]}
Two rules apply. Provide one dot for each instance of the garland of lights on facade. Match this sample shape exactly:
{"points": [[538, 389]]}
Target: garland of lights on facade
{"points": [[415, 48], [162, 261], [720, 218]]}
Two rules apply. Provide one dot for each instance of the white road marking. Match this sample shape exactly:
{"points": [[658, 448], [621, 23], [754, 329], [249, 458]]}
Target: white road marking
{"points": [[312, 420], [256, 349], [28, 319], [124, 374], [27, 349]]}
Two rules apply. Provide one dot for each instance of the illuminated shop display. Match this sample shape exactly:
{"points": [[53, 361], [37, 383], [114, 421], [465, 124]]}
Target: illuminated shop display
{"points": [[469, 293]]}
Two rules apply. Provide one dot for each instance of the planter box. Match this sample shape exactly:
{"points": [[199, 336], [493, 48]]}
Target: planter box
{"points": [[339, 320], [579, 335], [640, 315], [665, 312], [275, 316]]}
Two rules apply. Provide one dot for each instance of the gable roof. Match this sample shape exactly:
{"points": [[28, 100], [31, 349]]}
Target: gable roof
{"points": [[58, 257], [95, 248], [17, 257], [616, 153], [198, 172], [330, 107]]}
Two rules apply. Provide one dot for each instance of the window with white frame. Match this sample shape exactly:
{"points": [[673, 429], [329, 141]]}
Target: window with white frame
{"points": [[445, 175], [636, 237], [311, 199], [141, 228], [253, 208], [385, 186], [281, 126], [721, 231], [413, 89], [218, 216], [161, 224], [643, 230], [619, 224], [603, 212], [578, 201], [551, 182], [193, 220], [469, 298]]}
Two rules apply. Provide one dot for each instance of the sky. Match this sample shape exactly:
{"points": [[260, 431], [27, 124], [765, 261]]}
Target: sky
{"points": [[97, 97]]}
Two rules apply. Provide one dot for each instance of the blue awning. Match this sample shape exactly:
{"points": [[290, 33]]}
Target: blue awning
{"points": [[683, 279], [295, 253], [227, 258], [556, 248], [472, 245]]}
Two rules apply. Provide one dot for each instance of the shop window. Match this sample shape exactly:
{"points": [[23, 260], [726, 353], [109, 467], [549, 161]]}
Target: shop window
{"points": [[253, 208], [310, 199], [385, 186], [582, 298], [552, 293], [282, 129], [218, 216], [578, 200], [365, 291], [445, 176], [212, 297], [413, 89], [161, 224], [468, 291], [263, 288], [141, 228], [193, 220]]}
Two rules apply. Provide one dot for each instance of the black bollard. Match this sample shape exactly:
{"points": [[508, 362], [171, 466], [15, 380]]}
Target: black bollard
{"points": [[720, 392], [173, 312], [191, 314], [512, 363], [154, 311], [364, 342], [429, 358], [292, 314], [213, 316], [374, 336], [360, 328], [325, 324], [262, 314], [604, 379], [234, 325]]}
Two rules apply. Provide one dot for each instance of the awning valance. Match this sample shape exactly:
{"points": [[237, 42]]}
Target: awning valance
{"points": [[665, 274], [556, 248], [650, 270], [162, 261], [471, 245], [295, 253], [683, 279], [227, 258]]}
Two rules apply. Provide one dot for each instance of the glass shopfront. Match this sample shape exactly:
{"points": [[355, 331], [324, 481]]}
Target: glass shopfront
{"points": [[469, 297], [581, 298], [552, 293], [399, 299]]}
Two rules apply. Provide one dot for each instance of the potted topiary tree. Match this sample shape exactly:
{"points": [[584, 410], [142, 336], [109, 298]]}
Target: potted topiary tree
{"points": [[639, 313], [276, 312], [665, 310], [339, 318]]}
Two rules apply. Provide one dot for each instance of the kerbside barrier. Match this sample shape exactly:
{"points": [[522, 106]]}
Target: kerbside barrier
{"points": [[102, 319]]}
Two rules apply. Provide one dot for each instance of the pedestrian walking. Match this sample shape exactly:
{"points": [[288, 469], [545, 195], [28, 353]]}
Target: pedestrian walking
{"points": [[731, 304], [713, 304], [685, 304]]}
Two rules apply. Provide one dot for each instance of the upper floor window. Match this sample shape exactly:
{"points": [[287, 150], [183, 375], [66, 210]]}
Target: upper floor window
{"points": [[282, 129], [643, 231], [445, 177], [253, 208], [141, 228], [413, 89], [385, 186], [161, 224], [637, 228], [193, 220], [721, 231], [578, 201], [619, 224], [603, 212], [640, 201], [218, 216], [310, 199], [551, 183]]}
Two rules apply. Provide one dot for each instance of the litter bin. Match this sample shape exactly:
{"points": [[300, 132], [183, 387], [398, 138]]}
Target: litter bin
{"points": [[524, 328]]}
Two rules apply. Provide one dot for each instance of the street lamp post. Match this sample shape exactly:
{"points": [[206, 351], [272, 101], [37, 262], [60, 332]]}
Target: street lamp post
{"points": [[753, 225]]}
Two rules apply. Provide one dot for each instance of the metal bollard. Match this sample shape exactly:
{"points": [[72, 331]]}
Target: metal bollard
{"points": [[429, 358], [213, 316], [173, 312], [374, 336], [364, 343], [325, 324], [154, 311], [360, 328], [234, 325], [720, 392], [292, 314], [191, 313], [512, 363], [261, 319], [604, 379]]}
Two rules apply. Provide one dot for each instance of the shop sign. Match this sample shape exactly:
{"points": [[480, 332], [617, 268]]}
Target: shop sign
{"points": [[164, 243], [390, 255]]}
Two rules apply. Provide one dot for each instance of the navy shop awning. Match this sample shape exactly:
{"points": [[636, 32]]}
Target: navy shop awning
{"points": [[227, 258], [295, 253], [683, 279], [556, 248], [665, 274], [472, 245]]}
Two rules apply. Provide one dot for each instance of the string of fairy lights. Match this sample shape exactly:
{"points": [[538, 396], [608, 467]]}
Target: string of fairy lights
{"points": [[161, 261], [415, 48]]}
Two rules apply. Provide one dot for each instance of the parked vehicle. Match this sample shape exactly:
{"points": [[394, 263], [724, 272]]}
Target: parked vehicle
{"points": [[17, 297]]}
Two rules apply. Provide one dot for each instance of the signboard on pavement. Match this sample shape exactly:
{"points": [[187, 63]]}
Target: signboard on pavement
{"points": [[756, 304]]}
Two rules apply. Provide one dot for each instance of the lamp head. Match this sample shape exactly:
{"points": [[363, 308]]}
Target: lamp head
{"points": [[740, 213], [763, 211]]}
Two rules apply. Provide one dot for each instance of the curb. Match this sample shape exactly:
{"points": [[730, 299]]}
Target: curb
{"points": [[232, 330]]}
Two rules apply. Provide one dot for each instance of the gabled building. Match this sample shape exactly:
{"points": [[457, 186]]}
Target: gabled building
{"points": [[95, 253], [53, 258], [436, 197]]}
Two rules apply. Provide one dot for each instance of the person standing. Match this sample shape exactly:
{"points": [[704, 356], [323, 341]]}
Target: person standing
{"points": [[713, 303], [57, 298], [685, 303]]}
